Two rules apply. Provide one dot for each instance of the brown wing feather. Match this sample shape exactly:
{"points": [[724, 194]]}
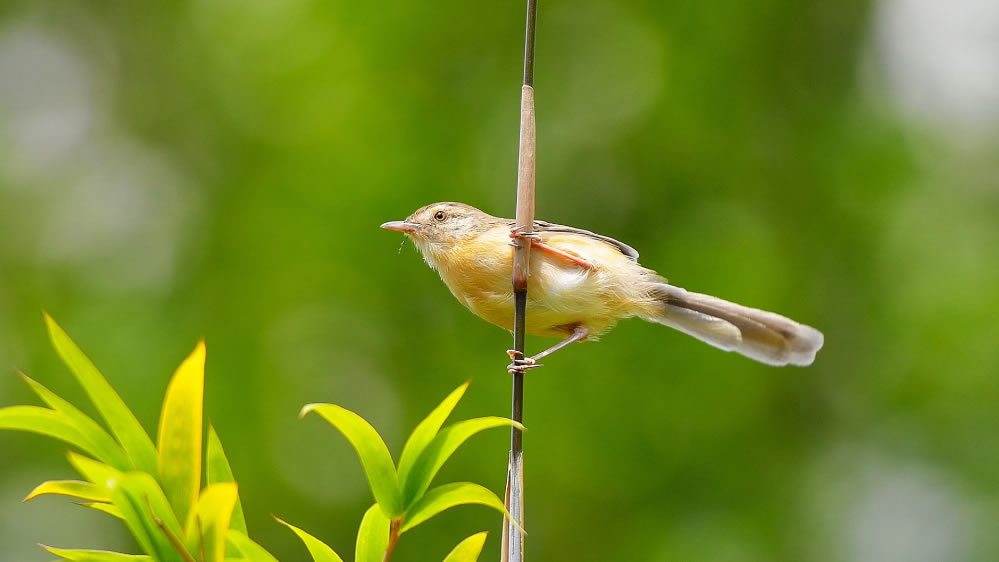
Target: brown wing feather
{"points": [[544, 226]]}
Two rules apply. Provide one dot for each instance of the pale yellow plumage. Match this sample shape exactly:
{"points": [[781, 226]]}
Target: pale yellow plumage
{"points": [[471, 250], [559, 293]]}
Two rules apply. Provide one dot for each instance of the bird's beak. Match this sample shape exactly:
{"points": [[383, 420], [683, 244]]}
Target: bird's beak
{"points": [[401, 226]]}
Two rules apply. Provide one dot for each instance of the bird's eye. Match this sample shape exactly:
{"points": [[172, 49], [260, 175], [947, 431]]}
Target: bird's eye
{"points": [[439, 216]]}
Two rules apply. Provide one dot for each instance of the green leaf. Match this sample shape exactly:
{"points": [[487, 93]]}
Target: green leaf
{"points": [[468, 550], [373, 536], [180, 433], [72, 488], [149, 517], [105, 448], [448, 496], [320, 551], [45, 422], [108, 508], [120, 419], [217, 471], [95, 555], [208, 523], [97, 473], [440, 450], [426, 430], [250, 550], [374, 454]]}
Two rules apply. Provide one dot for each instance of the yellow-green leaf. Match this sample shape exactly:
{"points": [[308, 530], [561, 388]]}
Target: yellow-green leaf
{"points": [[373, 536], [468, 550], [448, 496], [440, 450], [217, 471], [119, 418], [374, 454], [250, 550], [180, 433], [46, 422], [149, 517], [426, 430], [97, 473], [320, 551], [108, 508], [208, 523], [71, 488], [95, 555], [105, 448]]}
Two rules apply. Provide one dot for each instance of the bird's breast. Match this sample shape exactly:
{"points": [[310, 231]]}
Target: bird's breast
{"points": [[560, 293]]}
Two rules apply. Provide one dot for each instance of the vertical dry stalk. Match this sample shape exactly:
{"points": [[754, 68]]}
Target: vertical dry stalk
{"points": [[513, 538]]}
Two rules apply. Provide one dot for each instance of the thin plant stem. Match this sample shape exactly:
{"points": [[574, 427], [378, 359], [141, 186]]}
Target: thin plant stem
{"points": [[393, 539], [513, 538]]}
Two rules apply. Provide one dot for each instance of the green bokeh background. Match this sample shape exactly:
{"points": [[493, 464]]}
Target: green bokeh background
{"points": [[218, 169]]}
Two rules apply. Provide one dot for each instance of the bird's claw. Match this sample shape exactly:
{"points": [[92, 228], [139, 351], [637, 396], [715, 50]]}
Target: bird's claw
{"points": [[517, 232], [522, 365]]}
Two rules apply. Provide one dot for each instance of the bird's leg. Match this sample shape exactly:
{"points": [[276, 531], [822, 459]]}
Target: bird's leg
{"points": [[536, 242], [579, 333]]}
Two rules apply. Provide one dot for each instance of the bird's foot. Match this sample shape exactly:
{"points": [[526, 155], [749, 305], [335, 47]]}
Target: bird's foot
{"points": [[520, 363], [517, 233], [520, 366]]}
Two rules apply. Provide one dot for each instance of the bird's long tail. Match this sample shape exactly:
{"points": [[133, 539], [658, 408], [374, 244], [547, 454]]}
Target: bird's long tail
{"points": [[764, 336]]}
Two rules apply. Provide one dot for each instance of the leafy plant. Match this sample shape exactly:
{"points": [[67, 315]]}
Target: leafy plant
{"points": [[402, 498], [155, 489]]}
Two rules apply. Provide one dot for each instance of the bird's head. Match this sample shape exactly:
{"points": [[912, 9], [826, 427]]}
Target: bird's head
{"points": [[445, 223], [440, 227]]}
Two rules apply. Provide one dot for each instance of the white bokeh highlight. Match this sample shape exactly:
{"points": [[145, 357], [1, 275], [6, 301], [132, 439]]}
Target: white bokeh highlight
{"points": [[941, 61]]}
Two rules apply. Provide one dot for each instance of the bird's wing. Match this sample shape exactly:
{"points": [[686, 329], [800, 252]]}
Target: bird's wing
{"points": [[544, 226]]}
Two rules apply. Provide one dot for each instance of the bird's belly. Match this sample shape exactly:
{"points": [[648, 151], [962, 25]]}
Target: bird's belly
{"points": [[558, 296]]}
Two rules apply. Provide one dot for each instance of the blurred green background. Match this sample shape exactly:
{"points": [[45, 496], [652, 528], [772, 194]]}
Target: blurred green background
{"points": [[219, 169]]}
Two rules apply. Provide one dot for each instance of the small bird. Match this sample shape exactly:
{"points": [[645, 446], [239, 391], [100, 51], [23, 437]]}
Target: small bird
{"points": [[581, 283]]}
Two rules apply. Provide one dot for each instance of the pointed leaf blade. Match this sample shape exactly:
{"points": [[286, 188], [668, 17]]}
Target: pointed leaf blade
{"points": [[217, 471], [95, 472], [448, 496], [468, 550], [374, 454], [108, 508], [103, 477], [119, 418], [208, 522], [373, 536], [179, 434], [72, 488], [105, 448], [320, 551], [251, 551], [440, 450], [427, 430], [78, 555], [44, 421]]}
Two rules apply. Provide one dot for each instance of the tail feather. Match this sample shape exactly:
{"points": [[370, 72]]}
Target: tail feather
{"points": [[764, 336]]}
